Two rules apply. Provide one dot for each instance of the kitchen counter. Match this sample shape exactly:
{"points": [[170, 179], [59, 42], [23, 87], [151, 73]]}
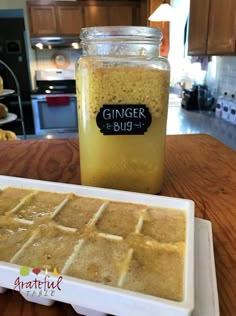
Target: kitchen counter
{"points": [[198, 167]]}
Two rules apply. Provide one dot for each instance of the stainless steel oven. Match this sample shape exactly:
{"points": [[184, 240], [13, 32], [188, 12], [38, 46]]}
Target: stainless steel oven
{"points": [[54, 102], [58, 117]]}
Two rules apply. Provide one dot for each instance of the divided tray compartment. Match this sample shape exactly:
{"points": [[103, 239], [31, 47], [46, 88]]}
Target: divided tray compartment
{"points": [[87, 297]]}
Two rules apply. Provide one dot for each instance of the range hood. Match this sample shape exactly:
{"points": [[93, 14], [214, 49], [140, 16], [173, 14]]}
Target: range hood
{"points": [[54, 42]]}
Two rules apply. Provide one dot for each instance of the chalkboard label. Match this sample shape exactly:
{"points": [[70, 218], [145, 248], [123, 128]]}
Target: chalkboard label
{"points": [[123, 119]]}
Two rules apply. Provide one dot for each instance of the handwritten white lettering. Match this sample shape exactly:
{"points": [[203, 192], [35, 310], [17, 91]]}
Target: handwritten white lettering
{"points": [[132, 113], [122, 126]]}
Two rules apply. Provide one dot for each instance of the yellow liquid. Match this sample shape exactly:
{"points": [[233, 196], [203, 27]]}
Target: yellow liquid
{"points": [[126, 162]]}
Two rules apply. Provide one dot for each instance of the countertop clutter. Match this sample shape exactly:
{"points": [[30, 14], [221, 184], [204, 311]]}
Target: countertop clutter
{"points": [[198, 167]]}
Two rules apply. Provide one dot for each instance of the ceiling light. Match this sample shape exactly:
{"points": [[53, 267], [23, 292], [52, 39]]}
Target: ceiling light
{"points": [[39, 45], [163, 13], [75, 45]]}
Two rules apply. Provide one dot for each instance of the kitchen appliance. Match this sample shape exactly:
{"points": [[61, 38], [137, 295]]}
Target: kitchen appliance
{"points": [[197, 98], [54, 102], [56, 42], [14, 53]]}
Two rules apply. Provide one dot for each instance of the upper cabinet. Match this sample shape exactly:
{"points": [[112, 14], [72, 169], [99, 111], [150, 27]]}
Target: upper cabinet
{"points": [[124, 15], [222, 27], [212, 27], [95, 15], [42, 20], [198, 26], [69, 18], [47, 18], [111, 13]]}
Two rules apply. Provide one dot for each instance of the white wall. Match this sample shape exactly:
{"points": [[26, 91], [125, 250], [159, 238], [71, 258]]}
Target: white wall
{"points": [[181, 10], [177, 56]]}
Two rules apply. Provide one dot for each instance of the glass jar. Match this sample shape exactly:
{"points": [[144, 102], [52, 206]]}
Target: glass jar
{"points": [[122, 91]]}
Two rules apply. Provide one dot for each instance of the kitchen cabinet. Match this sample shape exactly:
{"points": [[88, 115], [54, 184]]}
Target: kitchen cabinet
{"points": [[54, 18], [212, 27], [69, 19], [123, 15], [95, 16], [164, 26], [116, 13], [222, 27], [66, 18], [100, 16], [42, 19], [198, 27]]}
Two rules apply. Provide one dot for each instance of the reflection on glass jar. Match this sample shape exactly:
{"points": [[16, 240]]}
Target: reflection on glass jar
{"points": [[122, 91]]}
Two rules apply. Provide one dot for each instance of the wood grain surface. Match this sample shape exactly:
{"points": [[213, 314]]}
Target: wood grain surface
{"points": [[198, 167], [51, 160]]}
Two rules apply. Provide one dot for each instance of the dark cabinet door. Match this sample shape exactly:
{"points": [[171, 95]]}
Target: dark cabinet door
{"points": [[96, 15], [198, 27], [112, 13], [121, 15], [70, 19], [42, 20], [222, 27]]}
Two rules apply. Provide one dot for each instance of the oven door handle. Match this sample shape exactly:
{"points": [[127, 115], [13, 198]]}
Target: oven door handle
{"points": [[38, 97], [42, 97]]}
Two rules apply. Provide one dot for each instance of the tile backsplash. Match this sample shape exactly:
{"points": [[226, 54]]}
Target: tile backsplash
{"points": [[226, 74]]}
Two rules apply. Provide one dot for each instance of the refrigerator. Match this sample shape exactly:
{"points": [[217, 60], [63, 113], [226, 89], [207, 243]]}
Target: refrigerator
{"points": [[13, 51]]}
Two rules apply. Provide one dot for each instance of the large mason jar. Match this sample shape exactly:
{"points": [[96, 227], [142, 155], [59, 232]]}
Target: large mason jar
{"points": [[122, 91]]}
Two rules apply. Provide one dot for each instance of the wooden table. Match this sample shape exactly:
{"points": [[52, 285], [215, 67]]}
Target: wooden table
{"points": [[198, 167]]}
